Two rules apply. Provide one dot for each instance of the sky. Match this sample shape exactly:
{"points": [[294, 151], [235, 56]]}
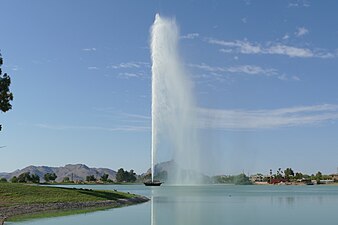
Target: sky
{"points": [[264, 74]]}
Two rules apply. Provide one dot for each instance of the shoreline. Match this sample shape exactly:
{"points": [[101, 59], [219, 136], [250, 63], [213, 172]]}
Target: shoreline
{"points": [[24, 200], [7, 213]]}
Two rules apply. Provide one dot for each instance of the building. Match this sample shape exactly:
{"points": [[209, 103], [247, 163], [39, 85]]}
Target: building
{"points": [[257, 178], [335, 177]]}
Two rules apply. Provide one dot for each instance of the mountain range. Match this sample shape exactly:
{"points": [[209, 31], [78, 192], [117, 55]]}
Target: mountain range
{"points": [[79, 172], [75, 172]]}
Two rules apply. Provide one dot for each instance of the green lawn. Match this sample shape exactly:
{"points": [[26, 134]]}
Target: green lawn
{"points": [[17, 194]]}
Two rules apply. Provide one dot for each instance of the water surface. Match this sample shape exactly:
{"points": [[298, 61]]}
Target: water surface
{"points": [[214, 205]]}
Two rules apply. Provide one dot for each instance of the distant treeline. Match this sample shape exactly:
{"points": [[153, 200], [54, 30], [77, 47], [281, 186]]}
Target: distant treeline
{"points": [[240, 179], [122, 176]]}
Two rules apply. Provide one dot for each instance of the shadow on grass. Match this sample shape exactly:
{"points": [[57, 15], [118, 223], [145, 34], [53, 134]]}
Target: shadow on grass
{"points": [[105, 195]]}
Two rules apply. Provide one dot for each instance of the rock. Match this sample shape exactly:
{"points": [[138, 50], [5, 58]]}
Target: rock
{"points": [[2, 220]]}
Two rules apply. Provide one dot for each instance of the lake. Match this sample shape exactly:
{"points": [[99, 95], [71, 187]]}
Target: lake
{"points": [[214, 205]]}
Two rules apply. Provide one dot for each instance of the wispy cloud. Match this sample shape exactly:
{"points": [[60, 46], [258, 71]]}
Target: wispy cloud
{"points": [[128, 118], [246, 47], [208, 68], [223, 119], [285, 37], [128, 122], [132, 69], [92, 68], [190, 36], [299, 3], [128, 75], [240, 69], [250, 69], [263, 119], [94, 128], [136, 116], [89, 49], [295, 78], [284, 77], [129, 65], [301, 31], [280, 49]]}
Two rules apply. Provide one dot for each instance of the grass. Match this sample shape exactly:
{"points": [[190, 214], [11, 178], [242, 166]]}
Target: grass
{"points": [[18, 194]]}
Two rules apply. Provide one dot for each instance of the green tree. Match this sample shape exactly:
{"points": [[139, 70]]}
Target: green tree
{"points": [[224, 179], [288, 172], [24, 177], [27, 178], [104, 177], [299, 176], [35, 178], [279, 173], [3, 180], [318, 177], [242, 179], [130, 176], [66, 180], [5, 95], [14, 179], [270, 178], [120, 175], [50, 177], [90, 178], [125, 176]]}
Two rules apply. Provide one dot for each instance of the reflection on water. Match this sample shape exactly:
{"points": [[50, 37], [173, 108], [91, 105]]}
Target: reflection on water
{"points": [[152, 215], [243, 205], [215, 205]]}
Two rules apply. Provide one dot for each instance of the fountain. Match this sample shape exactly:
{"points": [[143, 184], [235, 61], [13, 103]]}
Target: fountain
{"points": [[173, 106]]}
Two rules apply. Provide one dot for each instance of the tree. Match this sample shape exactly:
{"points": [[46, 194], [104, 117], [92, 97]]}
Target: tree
{"points": [[35, 178], [24, 177], [279, 174], [242, 179], [299, 176], [120, 175], [14, 179], [27, 178], [3, 180], [131, 177], [50, 177], [125, 176], [90, 178], [270, 180], [104, 177], [318, 177], [66, 180], [287, 173], [5, 95]]}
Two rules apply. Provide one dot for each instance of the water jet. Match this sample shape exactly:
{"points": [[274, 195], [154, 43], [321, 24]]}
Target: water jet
{"points": [[173, 106]]}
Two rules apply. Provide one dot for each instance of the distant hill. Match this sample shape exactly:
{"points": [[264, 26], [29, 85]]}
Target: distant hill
{"points": [[162, 169], [162, 166], [73, 171]]}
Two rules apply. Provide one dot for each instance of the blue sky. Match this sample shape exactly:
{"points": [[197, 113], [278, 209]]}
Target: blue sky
{"points": [[264, 73]]}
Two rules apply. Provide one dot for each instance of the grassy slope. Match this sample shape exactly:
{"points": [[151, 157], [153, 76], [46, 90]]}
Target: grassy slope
{"points": [[17, 194]]}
